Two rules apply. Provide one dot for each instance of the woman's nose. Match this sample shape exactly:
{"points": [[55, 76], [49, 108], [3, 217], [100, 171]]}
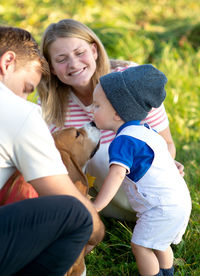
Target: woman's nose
{"points": [[72, 62]]}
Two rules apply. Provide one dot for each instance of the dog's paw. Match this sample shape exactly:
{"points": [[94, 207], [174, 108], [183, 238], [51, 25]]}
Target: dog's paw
{"points": [[84, 272]]}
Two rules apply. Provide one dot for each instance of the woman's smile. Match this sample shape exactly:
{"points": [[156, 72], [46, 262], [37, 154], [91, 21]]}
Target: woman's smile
{"points": [[77, 72]]}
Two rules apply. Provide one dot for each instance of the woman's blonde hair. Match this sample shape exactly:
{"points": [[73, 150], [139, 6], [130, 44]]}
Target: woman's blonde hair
{"points": [[53, 93]]}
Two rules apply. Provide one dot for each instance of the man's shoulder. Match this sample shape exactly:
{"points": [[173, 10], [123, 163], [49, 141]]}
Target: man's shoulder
{"points": [[16, 106], [12, 103], [15, 112]]}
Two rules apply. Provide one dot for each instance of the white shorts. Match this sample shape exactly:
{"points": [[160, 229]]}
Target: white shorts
{"points": [[161, 226]]}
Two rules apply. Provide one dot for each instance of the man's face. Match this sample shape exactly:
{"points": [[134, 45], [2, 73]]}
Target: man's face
{"points": [[24, 79]]}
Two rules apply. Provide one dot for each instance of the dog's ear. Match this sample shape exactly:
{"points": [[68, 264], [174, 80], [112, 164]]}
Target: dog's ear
{"points": [[75, 172], [81, 187]]}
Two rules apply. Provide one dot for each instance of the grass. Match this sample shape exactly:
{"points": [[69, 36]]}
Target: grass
{"points": [[165, 33]]}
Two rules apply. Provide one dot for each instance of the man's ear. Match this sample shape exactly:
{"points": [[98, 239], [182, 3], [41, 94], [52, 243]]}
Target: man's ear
{"points": [[7, 62]]}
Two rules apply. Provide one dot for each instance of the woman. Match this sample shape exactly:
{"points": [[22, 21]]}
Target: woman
{"points": [[77, 60]]}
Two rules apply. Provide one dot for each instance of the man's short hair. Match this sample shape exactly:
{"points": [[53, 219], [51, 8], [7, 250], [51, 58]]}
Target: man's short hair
{"points": [[23, 44]]}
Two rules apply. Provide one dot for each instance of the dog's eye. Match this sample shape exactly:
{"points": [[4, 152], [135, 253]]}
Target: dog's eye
{"points": [[77, 133]]}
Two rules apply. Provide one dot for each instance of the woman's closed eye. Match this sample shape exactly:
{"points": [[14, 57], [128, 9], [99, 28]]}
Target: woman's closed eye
{"points": [[80, 52], [61, 60]]}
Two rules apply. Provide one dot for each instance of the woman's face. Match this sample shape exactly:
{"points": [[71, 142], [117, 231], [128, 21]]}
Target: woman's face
{"points": [[73, 61]]}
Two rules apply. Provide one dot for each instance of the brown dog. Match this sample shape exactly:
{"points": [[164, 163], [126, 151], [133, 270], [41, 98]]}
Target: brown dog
{"points": [[76, 147]]}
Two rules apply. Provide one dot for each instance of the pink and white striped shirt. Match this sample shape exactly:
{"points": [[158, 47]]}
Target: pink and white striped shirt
{"points": [[78, 114]]}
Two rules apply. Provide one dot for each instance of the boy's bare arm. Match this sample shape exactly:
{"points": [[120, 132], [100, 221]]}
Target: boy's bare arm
{"points": [[110, 186]]}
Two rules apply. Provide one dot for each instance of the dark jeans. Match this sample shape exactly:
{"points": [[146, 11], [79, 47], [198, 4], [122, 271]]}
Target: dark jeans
{"points": [[42, 236]]}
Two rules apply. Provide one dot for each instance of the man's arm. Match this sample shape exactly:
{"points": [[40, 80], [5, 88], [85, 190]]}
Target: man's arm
{"points": [[62, 185]]}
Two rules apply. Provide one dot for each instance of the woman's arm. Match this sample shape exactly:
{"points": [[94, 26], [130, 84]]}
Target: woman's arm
{"points": [[166, 134], [110, 186]]}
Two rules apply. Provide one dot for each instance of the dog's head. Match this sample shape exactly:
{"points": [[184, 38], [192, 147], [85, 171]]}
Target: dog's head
{"points": [[80, 143], [77, 146]]}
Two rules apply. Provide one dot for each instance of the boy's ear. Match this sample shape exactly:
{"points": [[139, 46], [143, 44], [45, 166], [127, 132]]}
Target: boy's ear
{"points": [[7, 62], [116, 117]]}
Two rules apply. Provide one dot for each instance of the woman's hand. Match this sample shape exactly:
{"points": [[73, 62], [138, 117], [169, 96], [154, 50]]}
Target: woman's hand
{"points": [[180, 167]]}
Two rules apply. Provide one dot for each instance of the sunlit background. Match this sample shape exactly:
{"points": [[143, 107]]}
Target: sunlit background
{"points": [[165, 33]]}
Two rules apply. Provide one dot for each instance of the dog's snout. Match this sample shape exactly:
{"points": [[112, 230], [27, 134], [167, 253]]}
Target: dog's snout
{"points": [[93, 132], [93, 124]]}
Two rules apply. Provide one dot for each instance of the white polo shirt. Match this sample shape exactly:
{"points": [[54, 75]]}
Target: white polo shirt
{"points": [[25, 141]]}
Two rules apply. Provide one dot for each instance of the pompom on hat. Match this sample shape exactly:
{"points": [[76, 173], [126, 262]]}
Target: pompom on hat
{"points": [[134, 91]]}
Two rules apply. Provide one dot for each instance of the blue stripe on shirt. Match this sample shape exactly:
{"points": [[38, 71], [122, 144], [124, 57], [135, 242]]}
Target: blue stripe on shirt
{"points": [[133, 153]]}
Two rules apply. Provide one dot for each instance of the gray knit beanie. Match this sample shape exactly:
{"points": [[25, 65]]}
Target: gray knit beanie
{"points": [[134, 91]]}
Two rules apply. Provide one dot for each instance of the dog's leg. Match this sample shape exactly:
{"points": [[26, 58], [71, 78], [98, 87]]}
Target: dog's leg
{"points": [[78, 269]]}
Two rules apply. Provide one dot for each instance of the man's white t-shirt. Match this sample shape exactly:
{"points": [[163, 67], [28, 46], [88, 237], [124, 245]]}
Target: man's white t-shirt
{"points": [[25, 141]]}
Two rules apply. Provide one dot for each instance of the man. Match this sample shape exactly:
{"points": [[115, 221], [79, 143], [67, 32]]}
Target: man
{"points": [[45, 235]]}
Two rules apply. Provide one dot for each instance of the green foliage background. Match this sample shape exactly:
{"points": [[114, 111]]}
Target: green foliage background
{"points": [[165, 33]]}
